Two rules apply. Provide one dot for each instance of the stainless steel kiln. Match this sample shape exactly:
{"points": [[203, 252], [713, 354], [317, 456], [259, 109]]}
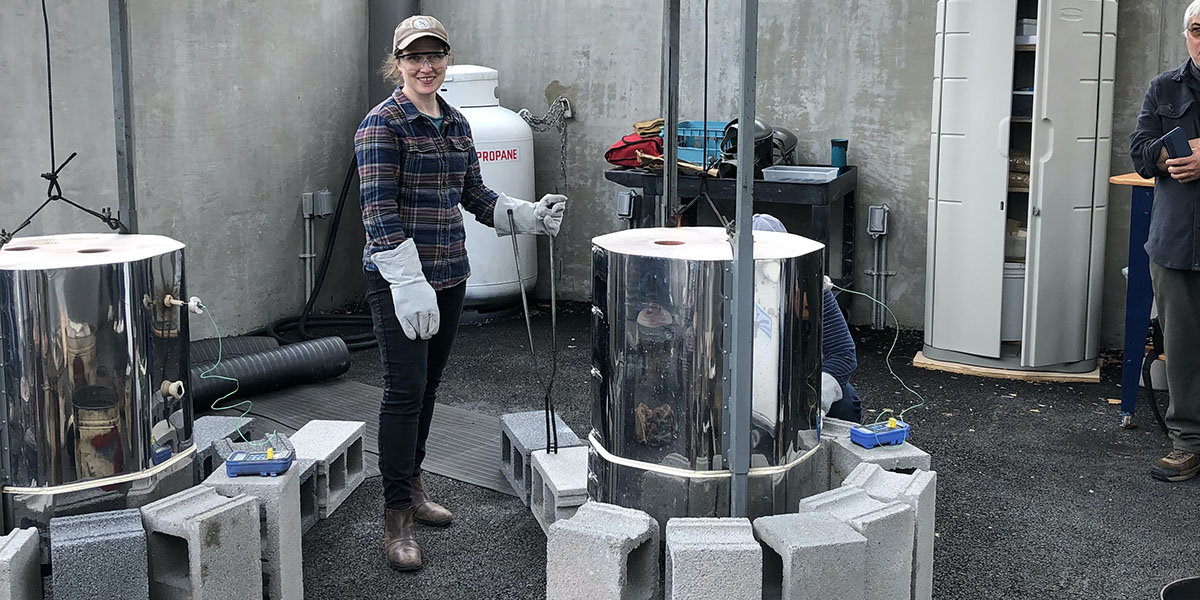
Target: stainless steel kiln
{"points": [[95, 357], [659, 369]]}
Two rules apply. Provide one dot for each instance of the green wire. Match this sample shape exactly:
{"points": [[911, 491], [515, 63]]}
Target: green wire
{"points": [[237, 385], [888, 359]]}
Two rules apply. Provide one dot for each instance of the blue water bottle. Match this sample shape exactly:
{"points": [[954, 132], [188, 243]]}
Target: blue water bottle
{"points": [[837, 152]]}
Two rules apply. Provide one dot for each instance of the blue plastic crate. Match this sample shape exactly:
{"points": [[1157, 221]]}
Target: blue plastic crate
{"points": [[695, 144]]}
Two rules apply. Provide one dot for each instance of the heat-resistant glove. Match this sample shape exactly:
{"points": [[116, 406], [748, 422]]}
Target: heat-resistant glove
{"points": [[413, 298], [831, 391], [543, 217]]}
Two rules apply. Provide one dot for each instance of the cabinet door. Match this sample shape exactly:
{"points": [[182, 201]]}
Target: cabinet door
{"points": [[968, 190], [1062, 182]]}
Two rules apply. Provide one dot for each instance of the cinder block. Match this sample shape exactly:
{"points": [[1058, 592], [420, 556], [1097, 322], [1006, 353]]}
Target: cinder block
{"points": [[846, 455], [889, 532], [337, 446], [204, 546], [559, 484], [835, 428], [21, 565], [712, 559], [99, 555], [521, 434], [918, 490], [210, 428], [279, 509], [604, 552], [307, 469], [811, 556], [811, 477]]}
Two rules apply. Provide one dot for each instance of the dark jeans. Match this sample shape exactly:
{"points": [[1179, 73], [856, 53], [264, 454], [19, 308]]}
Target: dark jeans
{"points": [[412, 370], [849, 408]]}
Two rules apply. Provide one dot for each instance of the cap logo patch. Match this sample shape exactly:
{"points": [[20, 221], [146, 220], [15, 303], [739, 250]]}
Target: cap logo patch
{"points": [[421, 24]]}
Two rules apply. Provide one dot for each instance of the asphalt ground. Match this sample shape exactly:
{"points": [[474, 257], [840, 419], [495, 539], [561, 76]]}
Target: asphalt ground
{"points": [[1040, 493]]}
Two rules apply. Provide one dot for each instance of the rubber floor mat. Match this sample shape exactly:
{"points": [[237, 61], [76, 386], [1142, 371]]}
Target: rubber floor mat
{"points": [[463, 445]]}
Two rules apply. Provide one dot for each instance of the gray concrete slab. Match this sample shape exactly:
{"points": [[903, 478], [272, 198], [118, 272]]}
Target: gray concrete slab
{"points": [[99, 555], [21, 565], [603, 552], [712, 559], [204, 546], [337, 446], [279, 507], [811, 556], [918, 490]]}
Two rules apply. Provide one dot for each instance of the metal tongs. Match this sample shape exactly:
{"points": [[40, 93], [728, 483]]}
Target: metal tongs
{"points": [[548, 401]]}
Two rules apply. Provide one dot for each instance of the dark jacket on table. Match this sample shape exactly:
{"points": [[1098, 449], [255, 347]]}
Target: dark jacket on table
{"points": [[1171, 101]]}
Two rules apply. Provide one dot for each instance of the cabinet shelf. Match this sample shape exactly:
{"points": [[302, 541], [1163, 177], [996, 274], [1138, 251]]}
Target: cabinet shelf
{"points": [[1018, 190], [1026, 47], [1022, 119]]}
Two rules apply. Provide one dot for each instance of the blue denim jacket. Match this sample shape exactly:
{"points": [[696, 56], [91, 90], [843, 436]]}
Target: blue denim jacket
{"points": [[1174, 240]]}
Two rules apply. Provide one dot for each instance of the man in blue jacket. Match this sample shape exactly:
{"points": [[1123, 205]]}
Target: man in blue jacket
{"points": [[1173, 100]]}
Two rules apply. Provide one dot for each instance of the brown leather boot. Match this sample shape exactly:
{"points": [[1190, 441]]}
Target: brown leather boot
{"points": [[399, 545], [428, 512]]}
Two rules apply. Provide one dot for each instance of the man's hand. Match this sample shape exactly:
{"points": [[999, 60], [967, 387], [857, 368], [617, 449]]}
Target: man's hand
{"points": [[1185, 169]]}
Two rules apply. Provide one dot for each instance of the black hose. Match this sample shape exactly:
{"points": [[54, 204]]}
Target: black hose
{"points": [[205, 351], [300, 324], [286, 366], [1156, 348]]}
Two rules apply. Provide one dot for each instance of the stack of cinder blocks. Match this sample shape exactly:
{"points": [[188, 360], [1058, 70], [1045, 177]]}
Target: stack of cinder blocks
{"points": [[337, 449], [866, 532], [306, 469], [279, 503], [230, 538], [522, 433]]}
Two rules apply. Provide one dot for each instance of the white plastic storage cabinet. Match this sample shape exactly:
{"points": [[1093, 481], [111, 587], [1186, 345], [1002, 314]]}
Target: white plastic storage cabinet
{"points": [[977, 199]]}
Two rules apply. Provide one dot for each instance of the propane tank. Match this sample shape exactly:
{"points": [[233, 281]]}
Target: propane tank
{"points": [[504, 144]]}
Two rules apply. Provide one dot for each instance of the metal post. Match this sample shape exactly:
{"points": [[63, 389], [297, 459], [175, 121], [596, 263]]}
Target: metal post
{"points": [[741, 347], [670, 107], [118, 41]]}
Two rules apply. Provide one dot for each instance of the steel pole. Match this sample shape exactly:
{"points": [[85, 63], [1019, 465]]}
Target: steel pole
{"points": [[118, 41], [741, 346], [670, 108]]}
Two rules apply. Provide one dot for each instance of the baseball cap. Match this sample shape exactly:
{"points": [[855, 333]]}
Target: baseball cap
{"points": [[416, 27]]}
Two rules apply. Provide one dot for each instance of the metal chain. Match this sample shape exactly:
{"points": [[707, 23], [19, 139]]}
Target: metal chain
{"points": [[555, 118]]}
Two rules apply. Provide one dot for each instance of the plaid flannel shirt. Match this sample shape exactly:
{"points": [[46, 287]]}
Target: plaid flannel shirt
{"points": [[412, 179]]}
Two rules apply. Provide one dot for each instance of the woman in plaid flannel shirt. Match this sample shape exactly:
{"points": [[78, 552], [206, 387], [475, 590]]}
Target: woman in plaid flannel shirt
{"points": [[416, 166]]}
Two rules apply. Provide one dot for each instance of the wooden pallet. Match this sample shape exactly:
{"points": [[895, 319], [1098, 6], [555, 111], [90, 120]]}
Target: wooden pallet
{"points": [[920, 360]]}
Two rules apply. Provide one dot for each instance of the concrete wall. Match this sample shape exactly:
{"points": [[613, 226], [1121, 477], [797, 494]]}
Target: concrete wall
{"points": [[603, 56], [859, 69], [238, 108], [241, 106]]}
